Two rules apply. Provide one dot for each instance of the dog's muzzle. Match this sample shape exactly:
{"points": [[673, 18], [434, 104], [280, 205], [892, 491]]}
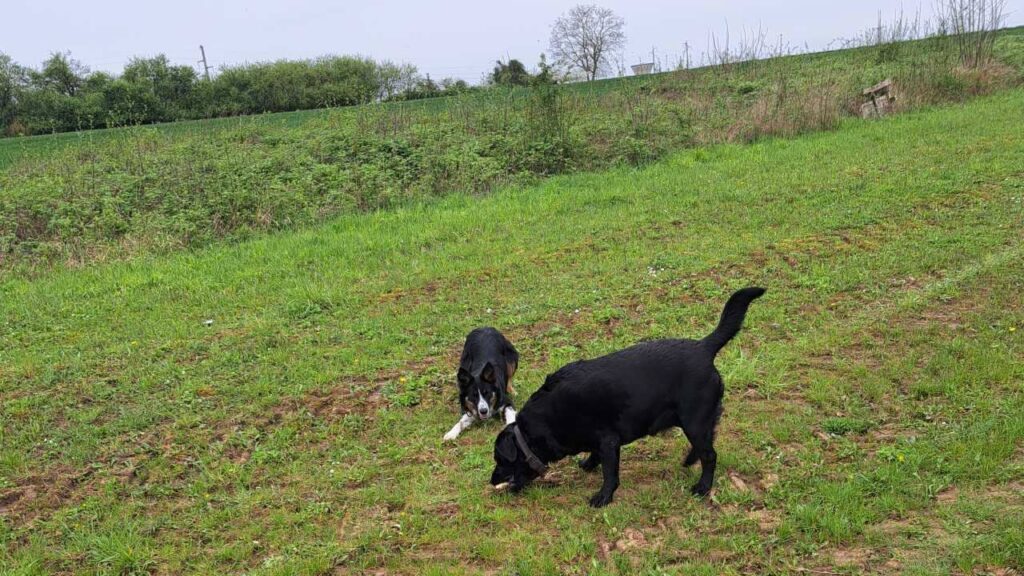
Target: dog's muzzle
{"points": [[483, 409]]}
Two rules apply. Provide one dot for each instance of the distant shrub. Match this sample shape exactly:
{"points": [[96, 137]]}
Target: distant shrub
{"points": [[289, 85], [744, 88]]}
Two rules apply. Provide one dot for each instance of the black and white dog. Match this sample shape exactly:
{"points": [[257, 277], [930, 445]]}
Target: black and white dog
{"points": [[600, 405], [485, 374]]}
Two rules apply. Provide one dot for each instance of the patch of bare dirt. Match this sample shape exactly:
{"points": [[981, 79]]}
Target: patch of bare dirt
{"points": [[412, 296], [951, 315], [1010, 494], [769, 480], [996, 571], [35, 495], [851, 557], [949, 495], [343, 400], [743, 483], [10, 498], [766, 520], [554, 477], [447, 510], [630, 539], [355, 394], [894, 526]]}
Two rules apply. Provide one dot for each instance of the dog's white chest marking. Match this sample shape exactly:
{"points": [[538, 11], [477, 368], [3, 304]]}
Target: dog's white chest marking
{"points": [[465, 422]]}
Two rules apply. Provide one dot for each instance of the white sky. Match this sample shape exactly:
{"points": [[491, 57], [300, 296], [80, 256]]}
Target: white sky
{"points": [[458, 38]]}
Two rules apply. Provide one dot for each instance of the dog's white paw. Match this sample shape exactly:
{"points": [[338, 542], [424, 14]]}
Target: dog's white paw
{"points": [[452, 435]]}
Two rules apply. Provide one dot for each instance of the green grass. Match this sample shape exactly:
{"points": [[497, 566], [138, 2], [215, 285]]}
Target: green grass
{"points": [[15, 149], [874, 414]]}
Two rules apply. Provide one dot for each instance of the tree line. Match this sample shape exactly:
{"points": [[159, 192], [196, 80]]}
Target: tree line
{"points": [[64, 95]]}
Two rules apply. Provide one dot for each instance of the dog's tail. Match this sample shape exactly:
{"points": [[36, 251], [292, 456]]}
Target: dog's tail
{"points": [[732, 318]]}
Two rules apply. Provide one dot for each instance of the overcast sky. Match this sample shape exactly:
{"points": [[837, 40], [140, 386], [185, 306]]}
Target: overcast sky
{"points": [[458, 38]]}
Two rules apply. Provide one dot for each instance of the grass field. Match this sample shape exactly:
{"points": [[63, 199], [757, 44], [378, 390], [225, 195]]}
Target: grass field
{"points": [[874, 414]]}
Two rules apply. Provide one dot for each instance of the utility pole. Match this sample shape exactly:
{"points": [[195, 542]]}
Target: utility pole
{"points": [[206, 68]]}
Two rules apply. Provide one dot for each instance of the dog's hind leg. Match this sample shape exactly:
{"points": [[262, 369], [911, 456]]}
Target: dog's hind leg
{"points": [[702, 436], [590, 463], [691, 458], [609, 452], [465, 422]]}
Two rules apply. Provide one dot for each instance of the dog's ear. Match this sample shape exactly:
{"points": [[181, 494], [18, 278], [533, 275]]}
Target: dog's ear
{"points": [[505, 446], [464, 377], [488, 373]]}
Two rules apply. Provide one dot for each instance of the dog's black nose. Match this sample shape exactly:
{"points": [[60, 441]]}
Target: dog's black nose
{"points": [[484, 411]]}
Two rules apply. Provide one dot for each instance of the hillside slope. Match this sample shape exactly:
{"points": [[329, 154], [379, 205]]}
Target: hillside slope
{"points": [[276, 407], [117, 194]]}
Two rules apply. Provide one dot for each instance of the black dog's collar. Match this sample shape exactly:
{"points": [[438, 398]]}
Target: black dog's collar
{"points": [[531, 458]]}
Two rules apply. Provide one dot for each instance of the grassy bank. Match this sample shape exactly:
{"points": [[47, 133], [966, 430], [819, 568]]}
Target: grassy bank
{"points": [[874, 413], [75, 199]]}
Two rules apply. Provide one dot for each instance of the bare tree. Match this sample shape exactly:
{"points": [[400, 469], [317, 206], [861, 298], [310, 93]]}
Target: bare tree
{"points": [[587, 38], [973, 25]]}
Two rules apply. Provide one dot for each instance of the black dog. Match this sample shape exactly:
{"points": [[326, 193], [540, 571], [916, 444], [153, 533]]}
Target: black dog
{"points": [[599, 405], [485, 374]]}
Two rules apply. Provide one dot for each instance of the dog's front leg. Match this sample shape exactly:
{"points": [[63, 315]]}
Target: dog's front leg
{"points": [[609, 452], [465, 422], [510, 415]]}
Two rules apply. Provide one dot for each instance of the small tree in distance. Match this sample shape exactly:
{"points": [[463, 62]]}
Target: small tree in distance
{"points": [[511, 73], [545, 75], [587, 38]]}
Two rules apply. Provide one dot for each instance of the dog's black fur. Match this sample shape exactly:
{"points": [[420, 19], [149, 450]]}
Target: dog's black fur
{"points": [[600, 405], [486, 368]]}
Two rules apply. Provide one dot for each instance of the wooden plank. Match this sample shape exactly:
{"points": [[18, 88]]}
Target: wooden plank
{"points": [[884, 85]]}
